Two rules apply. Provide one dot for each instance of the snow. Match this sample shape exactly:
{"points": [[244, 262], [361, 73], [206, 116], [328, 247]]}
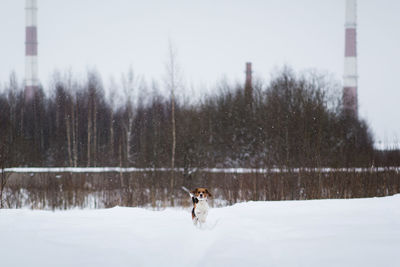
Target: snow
{"points": [[356, 232]]}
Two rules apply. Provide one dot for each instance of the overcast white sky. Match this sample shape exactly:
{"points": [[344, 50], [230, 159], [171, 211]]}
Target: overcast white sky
{"points": [[214, 39]]}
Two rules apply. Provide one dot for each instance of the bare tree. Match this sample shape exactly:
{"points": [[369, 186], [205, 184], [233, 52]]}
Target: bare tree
{"points": [[130, 84], [89, 131], [3, 181], [95, 97], [69, 120], [111, 97], [172, 81], [3, 175]]}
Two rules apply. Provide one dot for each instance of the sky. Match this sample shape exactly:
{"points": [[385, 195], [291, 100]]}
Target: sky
{"points": [[213, 40]]}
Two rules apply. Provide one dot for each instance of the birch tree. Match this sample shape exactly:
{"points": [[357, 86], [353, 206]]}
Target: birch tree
{"points": [[130, 84], [172, 81]]}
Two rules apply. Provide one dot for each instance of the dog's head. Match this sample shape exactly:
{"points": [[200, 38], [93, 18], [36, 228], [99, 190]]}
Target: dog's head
{"points": [[201, 193]]}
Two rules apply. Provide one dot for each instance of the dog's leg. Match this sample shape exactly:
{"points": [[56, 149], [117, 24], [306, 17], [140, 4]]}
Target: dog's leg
{"points": [[194, 218], [193, 215]]}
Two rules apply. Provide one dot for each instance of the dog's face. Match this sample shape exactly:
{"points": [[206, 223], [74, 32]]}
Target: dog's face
{"points": [[201, 193]]}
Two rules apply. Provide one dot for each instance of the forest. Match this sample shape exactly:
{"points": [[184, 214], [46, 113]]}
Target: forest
{"points": [[291, 123], [295, 120]]}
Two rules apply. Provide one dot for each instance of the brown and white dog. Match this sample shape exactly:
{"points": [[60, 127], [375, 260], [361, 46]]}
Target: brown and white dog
{"points": [[200, 205]]}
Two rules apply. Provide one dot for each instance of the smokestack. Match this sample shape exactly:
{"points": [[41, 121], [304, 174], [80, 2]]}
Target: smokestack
{"points": [[248, 87], [31, 49], [248, 75], [350, 60]]}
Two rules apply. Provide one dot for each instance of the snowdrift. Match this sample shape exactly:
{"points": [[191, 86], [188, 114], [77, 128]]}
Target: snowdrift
{"points": [[356, 232]]}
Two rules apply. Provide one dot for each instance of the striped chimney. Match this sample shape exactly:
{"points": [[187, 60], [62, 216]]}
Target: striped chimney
{"points": [[350, 59], [248, 87], [31, 49], [248, 74]]}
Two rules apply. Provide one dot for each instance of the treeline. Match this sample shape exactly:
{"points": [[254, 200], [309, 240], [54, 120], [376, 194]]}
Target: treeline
{"points": [[292, 121], [151, 189]]}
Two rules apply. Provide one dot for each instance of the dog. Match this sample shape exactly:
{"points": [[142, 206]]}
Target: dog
{"points": [[200, 205]]}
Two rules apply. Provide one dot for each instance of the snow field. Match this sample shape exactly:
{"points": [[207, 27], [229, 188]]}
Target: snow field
{"points": [[356, 232]]}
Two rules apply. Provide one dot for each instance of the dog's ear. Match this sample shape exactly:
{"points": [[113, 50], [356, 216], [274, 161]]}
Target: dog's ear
{"points": [[194, 191], [208, 193]]}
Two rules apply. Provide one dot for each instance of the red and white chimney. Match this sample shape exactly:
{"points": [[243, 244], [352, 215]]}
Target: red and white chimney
{"points": [[248, 86], [31, 49], [350, 59], [248, 75]]}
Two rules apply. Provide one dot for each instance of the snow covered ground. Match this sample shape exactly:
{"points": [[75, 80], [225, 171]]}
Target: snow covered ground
{"points": [[356, 232]]}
